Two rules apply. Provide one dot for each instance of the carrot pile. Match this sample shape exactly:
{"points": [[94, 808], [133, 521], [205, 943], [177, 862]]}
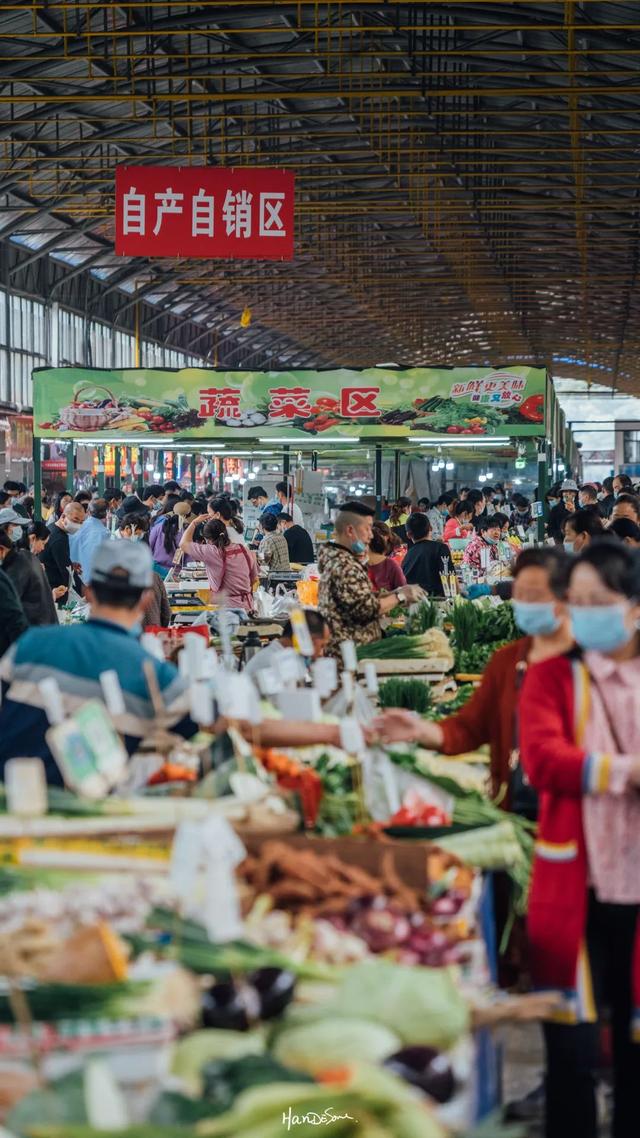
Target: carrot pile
{"points": [[292, 776]]}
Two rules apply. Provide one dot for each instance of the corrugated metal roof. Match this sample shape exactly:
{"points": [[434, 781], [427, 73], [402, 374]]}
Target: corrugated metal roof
{"points": [[467, 173]]}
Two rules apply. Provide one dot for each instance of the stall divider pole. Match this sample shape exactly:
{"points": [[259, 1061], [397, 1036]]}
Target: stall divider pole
{"points": [[117, 472], [37, 477], [192, 472], [286, 460], [68, 484], [141, 462], [378, 480], [396, 474], [160, 464], [100, 472], [543, 484]]}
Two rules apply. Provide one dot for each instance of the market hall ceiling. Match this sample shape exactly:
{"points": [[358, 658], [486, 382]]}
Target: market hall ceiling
{"points": [[467, 174]]}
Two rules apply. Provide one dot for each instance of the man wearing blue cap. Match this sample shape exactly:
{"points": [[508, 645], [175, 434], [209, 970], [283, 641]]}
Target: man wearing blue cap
{"points": [[76, 655]]}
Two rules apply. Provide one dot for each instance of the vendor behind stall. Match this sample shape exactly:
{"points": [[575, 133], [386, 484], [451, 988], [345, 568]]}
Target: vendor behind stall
{"points": [[483, 551], [268, 656], [274, 551], [426, 560], [76, 655], [231, 569], [345, 594], [298, 540], [384, 573]]}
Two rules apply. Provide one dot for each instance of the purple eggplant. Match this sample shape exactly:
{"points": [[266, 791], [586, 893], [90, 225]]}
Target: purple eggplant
{"points": [[425, 1068]]}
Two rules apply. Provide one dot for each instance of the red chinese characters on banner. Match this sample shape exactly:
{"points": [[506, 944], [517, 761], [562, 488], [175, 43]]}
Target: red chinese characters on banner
{"points": [[359, 402], [289, 403], [220, 403], [198, 211]]}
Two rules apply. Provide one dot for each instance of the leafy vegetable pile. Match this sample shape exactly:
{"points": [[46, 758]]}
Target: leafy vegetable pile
{"points": [[497, 839], [421, 618], [51, 1003], [411, 694], [190, 944], [340, 805], [478, 631], [441, 710]]}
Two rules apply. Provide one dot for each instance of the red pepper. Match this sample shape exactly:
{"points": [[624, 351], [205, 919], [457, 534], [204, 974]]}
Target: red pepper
{"points": [[533, 409]]}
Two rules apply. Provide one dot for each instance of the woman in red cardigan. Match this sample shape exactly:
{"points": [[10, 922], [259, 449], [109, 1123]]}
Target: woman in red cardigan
{"points": [[580, 744]]}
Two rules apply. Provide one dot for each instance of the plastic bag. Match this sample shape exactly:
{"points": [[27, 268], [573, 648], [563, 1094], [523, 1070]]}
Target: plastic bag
{"points": [[73, 597]]}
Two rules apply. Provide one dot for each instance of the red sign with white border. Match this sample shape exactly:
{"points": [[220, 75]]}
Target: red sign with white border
{"points": [[201, 211]]}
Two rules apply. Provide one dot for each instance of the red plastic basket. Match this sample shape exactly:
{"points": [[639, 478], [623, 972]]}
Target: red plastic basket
{"points": [[177, 632]]}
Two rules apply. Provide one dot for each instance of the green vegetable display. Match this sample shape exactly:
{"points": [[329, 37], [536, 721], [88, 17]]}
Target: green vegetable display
{"points": [[442, 710], [192, 947], [478, 631], [412, 648], [421, 618], [192, 1054], [373, 1104], [326, 1043], [340, 807], [414, 695], [51, 1003], [224, 1080], [476, 813], [474, 660]]}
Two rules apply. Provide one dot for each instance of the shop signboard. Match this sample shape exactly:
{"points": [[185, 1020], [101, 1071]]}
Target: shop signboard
{"points": [[205, 403], [200, 211]]}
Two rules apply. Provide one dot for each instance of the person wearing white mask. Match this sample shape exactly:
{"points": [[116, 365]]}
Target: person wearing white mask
{"points": [[56, 556]]}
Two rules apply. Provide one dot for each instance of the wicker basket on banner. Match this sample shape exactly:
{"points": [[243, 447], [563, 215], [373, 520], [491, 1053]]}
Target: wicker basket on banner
{"points": [[91, 418]]}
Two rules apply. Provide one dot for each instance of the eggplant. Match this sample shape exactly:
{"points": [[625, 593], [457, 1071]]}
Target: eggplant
{"points": [[275, 988], [426, 1069], [230, 1006]]}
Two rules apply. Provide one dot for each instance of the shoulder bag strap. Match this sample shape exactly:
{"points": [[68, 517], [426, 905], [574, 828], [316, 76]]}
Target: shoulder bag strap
{"points": [[521, 671]]}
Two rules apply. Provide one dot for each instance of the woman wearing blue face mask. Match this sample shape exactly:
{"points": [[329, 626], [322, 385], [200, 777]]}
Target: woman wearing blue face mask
{"points": [[482, 551], [580, 738], [135, 527]]}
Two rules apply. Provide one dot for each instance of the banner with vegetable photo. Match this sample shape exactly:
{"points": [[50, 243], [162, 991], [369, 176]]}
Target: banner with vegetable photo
{"points": [[214, 403]]}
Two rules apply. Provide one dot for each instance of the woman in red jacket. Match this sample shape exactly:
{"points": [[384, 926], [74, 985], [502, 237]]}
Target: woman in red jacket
{"points": [[580, 740]]}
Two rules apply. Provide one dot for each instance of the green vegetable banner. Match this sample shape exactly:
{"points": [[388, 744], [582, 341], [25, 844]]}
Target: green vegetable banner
{"points": [[213, 403]]}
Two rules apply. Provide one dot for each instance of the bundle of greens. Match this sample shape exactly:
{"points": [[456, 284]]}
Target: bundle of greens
{"points": [[473, 661], [431, 643], [340, 806], [414, 695], [50, 1003], [189, 943], [421, 618], [478, 631]]}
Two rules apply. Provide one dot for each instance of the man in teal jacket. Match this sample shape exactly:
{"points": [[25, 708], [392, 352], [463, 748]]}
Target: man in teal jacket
{"points": [[76, 655]]}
